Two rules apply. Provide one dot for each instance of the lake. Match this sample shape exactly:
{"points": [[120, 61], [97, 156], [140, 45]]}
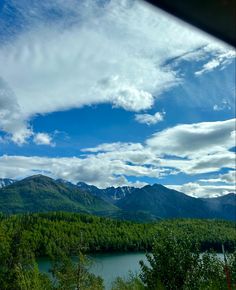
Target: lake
{"points": [[108, 266]]}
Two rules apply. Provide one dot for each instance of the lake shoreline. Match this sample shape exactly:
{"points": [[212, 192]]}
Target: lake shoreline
{"points": [[108, 265]]}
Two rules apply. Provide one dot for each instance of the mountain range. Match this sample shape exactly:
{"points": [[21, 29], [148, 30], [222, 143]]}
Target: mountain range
{"points": [[40, 193]]}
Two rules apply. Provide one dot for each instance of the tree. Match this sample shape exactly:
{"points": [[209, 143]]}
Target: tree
{"points": [[176, 264], [170, 262], [18, 269], [131, 283], [69, 274], [30, 278]]}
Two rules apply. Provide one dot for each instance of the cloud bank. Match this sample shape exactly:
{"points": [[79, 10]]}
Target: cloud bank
{"points": [[195, 189], [195, 140], [71, 54], [189, 148]]}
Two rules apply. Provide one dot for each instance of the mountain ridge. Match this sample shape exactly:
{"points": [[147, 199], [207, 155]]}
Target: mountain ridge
{"points": [[39, 193]]}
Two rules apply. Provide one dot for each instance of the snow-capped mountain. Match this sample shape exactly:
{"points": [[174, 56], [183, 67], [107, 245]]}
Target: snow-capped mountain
{"points": [[5, 182]]}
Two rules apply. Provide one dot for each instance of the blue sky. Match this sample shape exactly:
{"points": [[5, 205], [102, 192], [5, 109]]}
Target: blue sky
{"points": [[114, 93]]}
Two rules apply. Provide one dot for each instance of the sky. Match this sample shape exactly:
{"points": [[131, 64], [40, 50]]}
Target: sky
{"points": [[115, 93]]}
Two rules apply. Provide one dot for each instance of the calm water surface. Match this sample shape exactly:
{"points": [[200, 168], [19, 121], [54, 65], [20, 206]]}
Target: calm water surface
{"points": [[108, 266]]}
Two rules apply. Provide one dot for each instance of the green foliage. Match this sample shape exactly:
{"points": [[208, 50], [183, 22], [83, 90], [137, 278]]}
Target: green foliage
{"points": [[207, 274], [177, 264], [232, 269], [131, 283], [75, 275], [174, 264], [42, 194], [18, 269], [29, 278], [43, 233], [60, 235], [170, 262]]}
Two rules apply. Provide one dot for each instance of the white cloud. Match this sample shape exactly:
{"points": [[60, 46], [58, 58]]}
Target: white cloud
{"points": [[89, 170], [91, 54], [12, 119], [43, 139], [220, 59], [188, 148], [194, 140], [99, 171], [114, 147], [229, 177], [216, 108], [191, 149], [132, 99], [110, 164], [196, 190], [224, 105], [209, 66], [150, 119], [201, 164], [212, 162]]}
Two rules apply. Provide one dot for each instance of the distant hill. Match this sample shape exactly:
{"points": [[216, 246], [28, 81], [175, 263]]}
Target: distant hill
{"points": [[163, 202], [39, 193], [42, 194], [223, 206]]}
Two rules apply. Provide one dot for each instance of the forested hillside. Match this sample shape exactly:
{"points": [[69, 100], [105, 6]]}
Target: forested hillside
{"points": [[40, 193], [60, 235], [42, 233]]}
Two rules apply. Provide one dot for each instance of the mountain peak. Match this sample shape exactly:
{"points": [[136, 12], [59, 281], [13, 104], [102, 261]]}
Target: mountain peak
{"points": [[81, 184], [158, 185], [38, 177], [40, 193]]}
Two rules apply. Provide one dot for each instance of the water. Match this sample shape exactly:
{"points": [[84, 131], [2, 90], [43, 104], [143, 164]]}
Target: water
{"points": [[108, 266]]}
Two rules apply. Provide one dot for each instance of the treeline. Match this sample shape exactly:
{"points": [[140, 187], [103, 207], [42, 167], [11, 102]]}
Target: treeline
{"points": [[175, 263], [43, 233]]}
